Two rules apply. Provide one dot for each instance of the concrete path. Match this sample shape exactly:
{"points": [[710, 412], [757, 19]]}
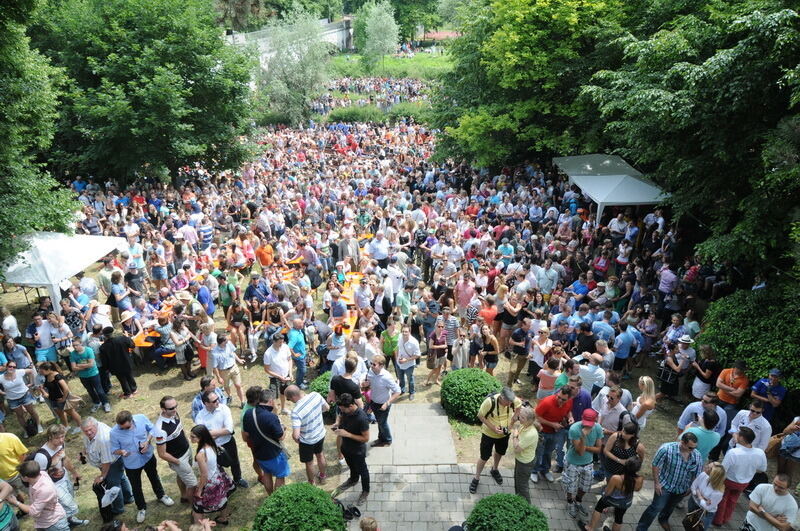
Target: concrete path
{"points": [[416, 484]]}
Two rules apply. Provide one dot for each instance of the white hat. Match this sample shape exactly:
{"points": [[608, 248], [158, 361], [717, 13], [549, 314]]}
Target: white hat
{"points": [[127, 314], [685, 339]]}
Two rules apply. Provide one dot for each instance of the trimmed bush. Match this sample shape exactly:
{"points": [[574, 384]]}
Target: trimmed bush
{"points": [[320, 384], [357, 113], [760, 328], [463, 392], [299, 507], [506, 512]]}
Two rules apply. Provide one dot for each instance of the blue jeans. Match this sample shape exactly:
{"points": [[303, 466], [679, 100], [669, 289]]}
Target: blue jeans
{"points": [[382, 417], [402, 374], [300, 374], [95, 389], [116, 478], [547, 443], [707, 518], [661, 506]]}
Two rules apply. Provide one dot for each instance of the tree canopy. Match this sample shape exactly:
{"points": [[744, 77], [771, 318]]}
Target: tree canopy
{"points": [[381, 34], [151, 86], [701, 96], [30, 200]]}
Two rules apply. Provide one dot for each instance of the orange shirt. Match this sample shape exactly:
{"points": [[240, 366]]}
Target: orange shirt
{"points": [[265, 255], [727, 377]]}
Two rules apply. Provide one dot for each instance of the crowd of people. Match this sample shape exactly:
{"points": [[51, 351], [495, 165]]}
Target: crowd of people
{"points": [[379, 91], [343, 248]]}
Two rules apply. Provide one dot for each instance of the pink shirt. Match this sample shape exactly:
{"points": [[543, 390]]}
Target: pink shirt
{"points": [[45, 509], [547, 380]]}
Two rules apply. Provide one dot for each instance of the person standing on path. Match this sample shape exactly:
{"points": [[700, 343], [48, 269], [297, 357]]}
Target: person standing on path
{"points": [[408, 353], [115, 357], [172, 446], [772, 507], [524, 440], [741, 463], [586, 436], [217, 417], [308, 430], [384, 391], [554, 414], [353, 427], [131, 438], [497, 414], [675, 467]]}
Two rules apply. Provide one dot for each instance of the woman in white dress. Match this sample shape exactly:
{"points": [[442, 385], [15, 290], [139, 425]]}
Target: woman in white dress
{"points": [[645, 403]]}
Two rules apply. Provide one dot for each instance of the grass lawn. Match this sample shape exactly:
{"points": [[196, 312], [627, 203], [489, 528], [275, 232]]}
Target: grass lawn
{"points": [[422, 65]]}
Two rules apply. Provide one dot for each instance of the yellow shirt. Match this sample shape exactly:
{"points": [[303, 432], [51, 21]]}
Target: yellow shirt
{"points": [[501, 416], [528, 440], [11, 452]]}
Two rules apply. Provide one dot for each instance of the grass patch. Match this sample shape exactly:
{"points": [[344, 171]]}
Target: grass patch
{"points": [[464, 430], [421, 66]]}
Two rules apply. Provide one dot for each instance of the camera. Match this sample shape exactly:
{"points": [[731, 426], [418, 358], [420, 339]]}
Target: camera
{"points": [[505, 431]]}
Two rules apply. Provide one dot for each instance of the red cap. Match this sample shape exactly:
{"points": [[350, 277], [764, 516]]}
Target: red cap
{"points": [[589, 417]]}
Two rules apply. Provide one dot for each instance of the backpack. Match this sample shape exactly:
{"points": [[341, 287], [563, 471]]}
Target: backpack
{"points": [[31, 428], [41, 451], [495, 408], [622, 420]]}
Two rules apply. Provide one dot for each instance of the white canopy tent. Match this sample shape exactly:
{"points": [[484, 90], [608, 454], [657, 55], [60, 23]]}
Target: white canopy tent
{"points": [[609, 181], [54, 257]]}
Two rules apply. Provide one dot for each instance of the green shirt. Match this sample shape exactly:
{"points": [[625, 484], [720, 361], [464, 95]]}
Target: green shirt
{"points": [[403, 301], [561, 381], [86, 355], [390, 343], [575, 433], [226, 293]]}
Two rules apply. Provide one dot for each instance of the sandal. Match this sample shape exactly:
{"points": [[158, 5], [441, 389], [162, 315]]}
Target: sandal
{"points": [[496, 475], [473, 486]]}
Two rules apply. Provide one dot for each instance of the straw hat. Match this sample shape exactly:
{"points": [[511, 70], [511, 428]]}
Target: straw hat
{"points": [[184, 296], [127, 314]]}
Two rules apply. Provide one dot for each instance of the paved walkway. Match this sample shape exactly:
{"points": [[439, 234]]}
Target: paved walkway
{"points": [[418, 486]]}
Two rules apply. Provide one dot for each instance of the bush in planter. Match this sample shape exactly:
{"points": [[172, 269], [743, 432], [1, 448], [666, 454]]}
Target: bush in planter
{"points": [[463, 392], [506, 512], [299, 507]]}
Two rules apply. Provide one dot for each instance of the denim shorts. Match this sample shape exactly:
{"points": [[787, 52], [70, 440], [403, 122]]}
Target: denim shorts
{"points": [[24, 401], [277, 466]]}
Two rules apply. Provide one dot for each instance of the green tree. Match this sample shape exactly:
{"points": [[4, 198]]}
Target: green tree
{"points": [[382, 34], [412, 13], [296, 69], [360, 24], [30, 200], [151, 87], [703, 106]]}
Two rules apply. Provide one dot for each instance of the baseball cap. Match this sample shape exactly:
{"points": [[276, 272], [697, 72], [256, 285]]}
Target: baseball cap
{"points": [[589, 417], [775, 372]]}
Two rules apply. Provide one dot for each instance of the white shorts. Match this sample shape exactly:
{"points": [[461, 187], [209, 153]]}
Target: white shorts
{"points": [[184, 469], [699, 388]]}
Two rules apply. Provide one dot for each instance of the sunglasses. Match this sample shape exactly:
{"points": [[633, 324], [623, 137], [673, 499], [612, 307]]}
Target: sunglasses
{"points": [[170, 408], [213, 401], [11, 366]]}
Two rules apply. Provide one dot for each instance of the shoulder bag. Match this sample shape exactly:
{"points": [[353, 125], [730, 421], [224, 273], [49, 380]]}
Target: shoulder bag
{"points": [[268, 439]]}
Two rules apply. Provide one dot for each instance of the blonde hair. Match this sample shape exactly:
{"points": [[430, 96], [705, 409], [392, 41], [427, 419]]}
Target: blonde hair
{"points": [[648, 388], [501, 292], [368, 523], [717, 477]]}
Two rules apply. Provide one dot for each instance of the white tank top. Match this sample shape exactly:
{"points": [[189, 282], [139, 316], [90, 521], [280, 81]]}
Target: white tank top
{"points": [[16, 388]]}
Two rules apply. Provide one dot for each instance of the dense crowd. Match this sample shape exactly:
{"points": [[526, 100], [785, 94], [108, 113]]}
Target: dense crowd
{"points": [[343, 248], [381, 92]]}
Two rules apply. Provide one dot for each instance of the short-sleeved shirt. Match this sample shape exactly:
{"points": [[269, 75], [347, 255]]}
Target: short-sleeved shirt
{"points": [[528, 441], [341, 385], [83, 357], [270, 425], [170, 433], [307, 415], [357, 423], [11, 450], [498, 414], [575, 433], [727, 377], [548, 409], [766, 496], [763, 388], [706, 440]]}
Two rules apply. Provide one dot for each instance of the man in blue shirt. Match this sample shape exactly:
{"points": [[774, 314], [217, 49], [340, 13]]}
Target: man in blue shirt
{"points": [[297, 344], [770, 391], [623, 346], [203, 295], [262, 429], [257, 288], [131, 438], [603, 329]]}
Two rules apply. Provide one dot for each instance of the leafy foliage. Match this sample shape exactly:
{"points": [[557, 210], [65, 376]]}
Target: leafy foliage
{"points": [[30, 200], [506, 512], [381, 32], [356, 113], [321, 383], [301, 507], [412, 13], [297, 69], [733, 328], [151, 87], [421, 66], [419, 111], [360, 24], [464, 391]]}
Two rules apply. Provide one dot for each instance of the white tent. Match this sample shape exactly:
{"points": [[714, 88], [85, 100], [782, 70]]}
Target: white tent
{"points": [[54, 257], [609, 180]]}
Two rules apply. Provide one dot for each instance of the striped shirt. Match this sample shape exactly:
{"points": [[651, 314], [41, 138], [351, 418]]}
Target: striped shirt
{"points": [[307, 415], [206, 234], [676, 474]]}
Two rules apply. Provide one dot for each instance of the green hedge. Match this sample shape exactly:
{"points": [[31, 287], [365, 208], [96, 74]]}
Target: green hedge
{"points": [[761, 328], [357, 113], [506, 512], [420, 111], [299, 507], [267, 118], [463, 392], [320, 384]]}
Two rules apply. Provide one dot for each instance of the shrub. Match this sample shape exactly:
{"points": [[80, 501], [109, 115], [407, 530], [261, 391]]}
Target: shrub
{"points": [[506, 512], [320, 384], [356, 113], [760, 328], [420, 111], [464, 391], [299, 507]]}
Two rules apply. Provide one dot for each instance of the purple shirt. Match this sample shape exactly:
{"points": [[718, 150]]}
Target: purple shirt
{"points": [[581, 402]]}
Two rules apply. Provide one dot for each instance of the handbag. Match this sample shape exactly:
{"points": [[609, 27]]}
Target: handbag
{"points": [[693, 521], [430, 361], [774, 445]]}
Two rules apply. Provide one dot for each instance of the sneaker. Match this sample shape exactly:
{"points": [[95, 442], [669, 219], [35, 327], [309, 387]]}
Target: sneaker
{"points": [[549, 476], [362, 499], [25, 434], [166, 500], [73, 430], [107, 407], [342, 461], [303, 386], [77, 522], [411, 397], [473, 486], [535, 477], [40, 399], [322, 479], [95, 407], [572, 511], [140, 516], [581, 509], [243, 483]]}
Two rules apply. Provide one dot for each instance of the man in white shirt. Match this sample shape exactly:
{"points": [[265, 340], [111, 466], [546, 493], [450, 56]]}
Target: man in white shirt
{"points": [[278, 366], [384, 391], [592, 374], [97, 446], [408, 353], [772, 507], [752, 418], [219, 421], [741, 464]]}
